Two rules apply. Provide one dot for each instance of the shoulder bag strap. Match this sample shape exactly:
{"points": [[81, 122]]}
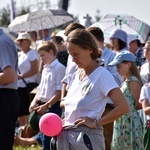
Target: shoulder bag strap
{"points": [[22, 78]]}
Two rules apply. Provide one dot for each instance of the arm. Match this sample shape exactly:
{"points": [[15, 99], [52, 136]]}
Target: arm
{"points": [[41, 109], [121, 107], [32, 71], [7, 76], [33, 104], [135, 90], [146, 107], [63, 94], [63, 91]]}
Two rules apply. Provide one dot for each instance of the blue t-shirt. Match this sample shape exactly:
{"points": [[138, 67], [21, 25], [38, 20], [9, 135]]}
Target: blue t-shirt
{"points": [[8, 57]]}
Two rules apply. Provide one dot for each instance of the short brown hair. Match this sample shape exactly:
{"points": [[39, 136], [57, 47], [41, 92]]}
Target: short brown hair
{"points": [[72, 26], [47, 46], [57, 39], [97, 32]]}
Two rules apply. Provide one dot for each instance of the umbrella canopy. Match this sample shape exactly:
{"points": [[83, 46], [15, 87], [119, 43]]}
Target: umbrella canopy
{"points": [[125, 22], [41, 19]]}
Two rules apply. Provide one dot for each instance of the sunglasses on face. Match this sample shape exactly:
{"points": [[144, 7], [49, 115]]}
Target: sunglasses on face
{"points": [[21, 40]]}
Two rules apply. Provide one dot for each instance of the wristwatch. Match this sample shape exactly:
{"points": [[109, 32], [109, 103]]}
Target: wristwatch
{"points": [[48, 105]]}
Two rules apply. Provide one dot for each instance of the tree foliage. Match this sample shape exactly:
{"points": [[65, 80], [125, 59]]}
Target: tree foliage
{"points": [[4, 17], [5, 13], [23, 10]]}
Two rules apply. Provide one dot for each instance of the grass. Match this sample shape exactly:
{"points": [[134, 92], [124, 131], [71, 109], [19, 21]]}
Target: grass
{"points": [[27, 148]]}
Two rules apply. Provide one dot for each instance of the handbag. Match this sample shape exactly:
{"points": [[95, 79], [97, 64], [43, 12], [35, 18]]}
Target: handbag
{"points": [[29, 86]]}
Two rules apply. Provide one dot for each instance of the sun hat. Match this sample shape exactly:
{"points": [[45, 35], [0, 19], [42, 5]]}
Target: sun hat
{"points": [[25, 35], [122, 56], [131, 37], [33, 120], [119, 34]]}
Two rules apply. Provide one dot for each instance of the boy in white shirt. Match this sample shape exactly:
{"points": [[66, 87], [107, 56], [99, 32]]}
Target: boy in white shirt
{"points": [[49, 90]]}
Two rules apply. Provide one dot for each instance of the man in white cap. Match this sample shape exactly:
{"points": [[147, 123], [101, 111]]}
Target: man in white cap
{"points": [[135, 47]]}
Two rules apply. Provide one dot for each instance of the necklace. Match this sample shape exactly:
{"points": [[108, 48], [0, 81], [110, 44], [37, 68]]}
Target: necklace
{"points": [[85, 72], [82, 75]]}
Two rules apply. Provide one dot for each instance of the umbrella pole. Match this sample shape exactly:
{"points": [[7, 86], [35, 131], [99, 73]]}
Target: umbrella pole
{"points": [[119, 20], [120, 23], [43, 35]]}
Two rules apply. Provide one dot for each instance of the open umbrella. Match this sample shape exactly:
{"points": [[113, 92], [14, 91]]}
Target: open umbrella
{"points": [[41, 19], [125, 22]]}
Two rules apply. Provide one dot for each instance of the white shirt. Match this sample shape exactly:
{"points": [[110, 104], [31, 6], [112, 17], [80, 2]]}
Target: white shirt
{"points": [[144, 72], [108, 56], [89, 96], [24, 65], [52, 75], [70, 69], [145, 94]]}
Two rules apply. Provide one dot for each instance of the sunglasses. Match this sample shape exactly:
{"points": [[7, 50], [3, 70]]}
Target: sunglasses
{"points": [[21, 40]]}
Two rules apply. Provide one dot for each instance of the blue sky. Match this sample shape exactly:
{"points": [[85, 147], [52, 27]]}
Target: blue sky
{"points": [[137, 8]]}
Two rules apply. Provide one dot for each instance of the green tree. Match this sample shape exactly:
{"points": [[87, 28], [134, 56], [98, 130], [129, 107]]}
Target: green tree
{"points": [[5, 17], [23, 10]]}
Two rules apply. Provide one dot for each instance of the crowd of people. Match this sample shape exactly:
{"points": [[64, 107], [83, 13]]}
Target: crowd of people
{"points": [[101, 93]]}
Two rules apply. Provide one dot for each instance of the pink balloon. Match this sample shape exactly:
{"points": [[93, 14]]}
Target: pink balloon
{"points": [[50, 124]]}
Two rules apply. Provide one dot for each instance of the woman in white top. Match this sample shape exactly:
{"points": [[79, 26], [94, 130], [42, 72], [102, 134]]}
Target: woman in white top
{"points": [[27, 71], [87, 97], [145, 68]]}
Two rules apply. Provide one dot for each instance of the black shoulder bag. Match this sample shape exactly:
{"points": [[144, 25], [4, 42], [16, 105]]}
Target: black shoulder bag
{"points": [[29, 86]]}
